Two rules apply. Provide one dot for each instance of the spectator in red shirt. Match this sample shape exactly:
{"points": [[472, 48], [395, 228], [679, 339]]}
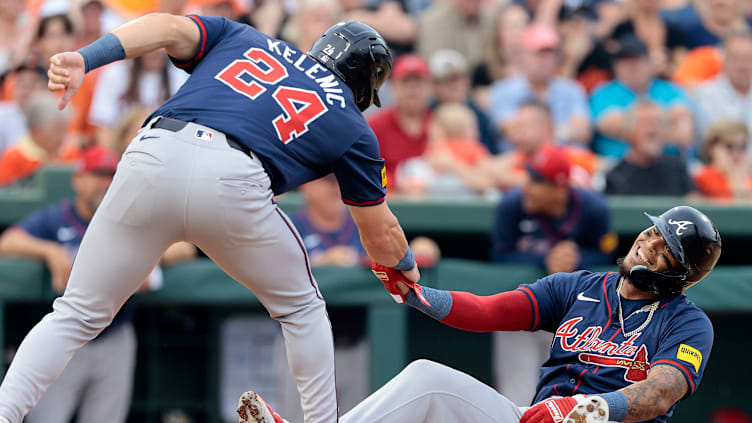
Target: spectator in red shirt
{"points": [[402, 129]]}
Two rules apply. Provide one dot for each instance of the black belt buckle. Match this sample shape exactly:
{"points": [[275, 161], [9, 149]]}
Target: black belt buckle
{"points": [[170, 124]]}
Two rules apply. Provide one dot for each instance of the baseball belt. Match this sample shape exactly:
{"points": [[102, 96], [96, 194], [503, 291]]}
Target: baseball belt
{"points": [[175, 125]]}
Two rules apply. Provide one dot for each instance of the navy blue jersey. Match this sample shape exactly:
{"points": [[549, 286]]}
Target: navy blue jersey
{"points": [[61, 224], [522, 238], [293, 113], [590, 353], [317, 242]]}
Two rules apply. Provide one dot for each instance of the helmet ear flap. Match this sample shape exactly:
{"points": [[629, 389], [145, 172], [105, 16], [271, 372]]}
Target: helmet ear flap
{"points": [[660, 284]]}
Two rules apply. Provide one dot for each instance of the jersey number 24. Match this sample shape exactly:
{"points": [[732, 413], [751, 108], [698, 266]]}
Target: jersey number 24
{"points": [[299, 107]]}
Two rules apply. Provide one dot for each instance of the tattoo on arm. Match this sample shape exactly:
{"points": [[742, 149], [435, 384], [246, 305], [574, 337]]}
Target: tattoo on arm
{"points": [[653, 396]]}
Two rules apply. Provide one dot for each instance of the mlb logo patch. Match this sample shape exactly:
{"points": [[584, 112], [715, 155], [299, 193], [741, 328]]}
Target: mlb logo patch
{"points": [[204, 135]]}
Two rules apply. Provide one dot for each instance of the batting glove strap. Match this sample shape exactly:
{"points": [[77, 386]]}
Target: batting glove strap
{"points": [[389, 277], [432, 302], [576, 409]]}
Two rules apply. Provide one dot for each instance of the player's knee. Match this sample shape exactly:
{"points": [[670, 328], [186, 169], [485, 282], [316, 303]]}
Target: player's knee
{"points": [[427, 369], [302, 313], [86, 316]]}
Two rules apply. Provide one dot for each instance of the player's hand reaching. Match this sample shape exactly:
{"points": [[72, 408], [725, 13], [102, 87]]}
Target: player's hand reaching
{"points": [[576, 409], [66, 73], [397, 283]]}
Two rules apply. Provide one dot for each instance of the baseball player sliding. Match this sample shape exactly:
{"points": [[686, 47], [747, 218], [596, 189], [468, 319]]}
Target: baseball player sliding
{"points": [[257, 117], [628, 345]]}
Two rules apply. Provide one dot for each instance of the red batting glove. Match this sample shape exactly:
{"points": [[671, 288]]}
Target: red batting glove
{"points": [[389, 277], [552, 410]]}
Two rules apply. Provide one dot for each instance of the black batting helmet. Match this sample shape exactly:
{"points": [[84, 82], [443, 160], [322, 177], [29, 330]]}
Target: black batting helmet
{"points": [[693, 240], [358, 55]]}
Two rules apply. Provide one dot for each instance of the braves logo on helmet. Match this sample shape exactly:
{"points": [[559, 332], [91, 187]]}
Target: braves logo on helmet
{"points": [[681, 225]]}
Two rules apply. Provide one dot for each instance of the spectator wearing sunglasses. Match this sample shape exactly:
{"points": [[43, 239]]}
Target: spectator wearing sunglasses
{"points": [[727, 173]]}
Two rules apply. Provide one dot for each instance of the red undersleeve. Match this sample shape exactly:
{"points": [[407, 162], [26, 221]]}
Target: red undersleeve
{"points": [[506, 311]]}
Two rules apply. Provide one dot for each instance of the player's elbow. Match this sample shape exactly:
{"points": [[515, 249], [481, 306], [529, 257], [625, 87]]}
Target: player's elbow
{"points": [[174, 27], [169, 29], [663, 405]]}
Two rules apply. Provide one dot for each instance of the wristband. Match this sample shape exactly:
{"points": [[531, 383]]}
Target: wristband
{"points": [[617, 405], [105, 50], [407, 262], [434, 303]]}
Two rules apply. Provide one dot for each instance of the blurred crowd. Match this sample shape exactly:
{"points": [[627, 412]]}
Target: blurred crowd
{"points": [[644, 97], [548, 104]]}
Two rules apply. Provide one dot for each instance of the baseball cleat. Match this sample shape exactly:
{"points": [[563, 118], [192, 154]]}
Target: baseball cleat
{"points": [[253, 409], [592, 409]]}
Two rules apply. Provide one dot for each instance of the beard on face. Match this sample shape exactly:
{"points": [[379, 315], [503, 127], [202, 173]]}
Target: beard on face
{"points": [[622, 268]]}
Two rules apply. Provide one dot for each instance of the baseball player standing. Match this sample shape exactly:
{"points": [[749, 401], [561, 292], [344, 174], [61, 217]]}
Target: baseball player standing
{"points": [[257, 117], [628, 345]]}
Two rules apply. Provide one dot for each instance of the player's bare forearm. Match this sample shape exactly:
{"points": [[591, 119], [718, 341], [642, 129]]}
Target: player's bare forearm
{"points": [[653, 396], [380, 233], [179, 35], [17, 242]]}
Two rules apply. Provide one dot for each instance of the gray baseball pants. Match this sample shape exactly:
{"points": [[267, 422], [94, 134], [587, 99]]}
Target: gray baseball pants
{"points": [[97, 382], [183, 186], [429, 392]]}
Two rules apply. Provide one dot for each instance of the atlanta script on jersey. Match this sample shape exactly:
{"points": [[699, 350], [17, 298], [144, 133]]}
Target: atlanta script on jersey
{"points": [[590, 353]]}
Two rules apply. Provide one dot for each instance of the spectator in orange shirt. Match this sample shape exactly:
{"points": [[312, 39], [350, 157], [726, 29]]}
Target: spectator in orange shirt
{"points": [[45, 143], [727, 174], [455, 160]]}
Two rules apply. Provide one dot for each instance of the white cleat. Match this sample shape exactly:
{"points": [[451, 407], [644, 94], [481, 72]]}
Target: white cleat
{"points": [[592, 409], [253, 409]]}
